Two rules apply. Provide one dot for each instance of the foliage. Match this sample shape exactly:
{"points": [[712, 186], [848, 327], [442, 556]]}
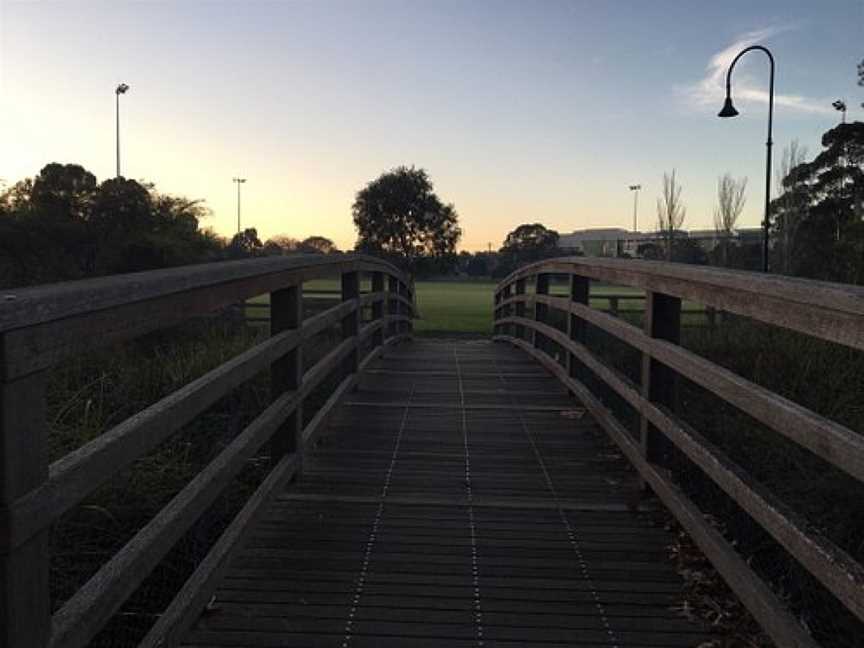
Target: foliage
{"points": [[63, 225], [399, 217], [526, 244], [245, 243], [670, 211], [823, 203], [318, 245], [789, 208]]}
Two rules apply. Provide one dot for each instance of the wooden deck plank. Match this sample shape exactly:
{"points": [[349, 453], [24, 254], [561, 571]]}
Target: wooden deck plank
{"points": [[459, 498]]}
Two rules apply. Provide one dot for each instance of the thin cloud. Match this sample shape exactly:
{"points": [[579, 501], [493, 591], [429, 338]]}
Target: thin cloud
{"points": [[711, 89]]}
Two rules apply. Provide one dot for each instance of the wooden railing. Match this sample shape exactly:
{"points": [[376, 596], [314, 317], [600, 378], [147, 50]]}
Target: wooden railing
{"points": [[41, 326], [826, 311]]}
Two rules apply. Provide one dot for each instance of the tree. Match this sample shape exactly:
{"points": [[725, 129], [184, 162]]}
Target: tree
{"points": [[527, 243], [789, 208], [650, 251], [670, 211], [245, 244], [398, 216], [861, 75], [730, 203], [829, 242], [478, 266], [318, 245], [62, 192]]}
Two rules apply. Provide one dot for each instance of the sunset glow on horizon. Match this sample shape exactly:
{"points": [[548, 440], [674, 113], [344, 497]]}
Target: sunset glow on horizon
{"points": [[520, 112]]}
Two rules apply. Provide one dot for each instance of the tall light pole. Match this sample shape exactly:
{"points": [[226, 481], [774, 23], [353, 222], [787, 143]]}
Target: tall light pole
{"points": [[239, 182], [635, 189], [121, 89], [728, 110]]}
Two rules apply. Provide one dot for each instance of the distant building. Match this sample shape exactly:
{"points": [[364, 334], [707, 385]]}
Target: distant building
{"points": [[616, 242]]}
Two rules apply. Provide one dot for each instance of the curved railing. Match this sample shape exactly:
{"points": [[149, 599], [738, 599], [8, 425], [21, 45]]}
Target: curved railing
{"points": [[826, 311], [41, 326]]}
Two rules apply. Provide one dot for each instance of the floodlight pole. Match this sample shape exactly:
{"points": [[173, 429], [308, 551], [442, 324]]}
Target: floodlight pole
{"points": [[729, 111], [635, 189], [239, 181], [121, 89]]}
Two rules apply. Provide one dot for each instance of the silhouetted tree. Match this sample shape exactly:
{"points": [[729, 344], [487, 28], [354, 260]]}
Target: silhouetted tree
{"points": [[318, 245], [650, 251], [399, 216], [670, 211], [478, 266], [245, 244], [529, 243], [789, 208], [730, 203], [829, 241], [62, 225]]}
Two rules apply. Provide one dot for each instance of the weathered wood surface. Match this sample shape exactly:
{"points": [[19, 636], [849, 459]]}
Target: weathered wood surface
{"points": [[831, 311], [469, 521]]}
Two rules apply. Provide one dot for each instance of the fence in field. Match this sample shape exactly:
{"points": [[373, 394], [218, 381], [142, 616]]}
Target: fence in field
{"points": [[39, 327], [525, 316]]}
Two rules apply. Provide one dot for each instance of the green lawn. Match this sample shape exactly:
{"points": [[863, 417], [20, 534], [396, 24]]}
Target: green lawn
{"points": [[465, 307], [454, 307]]}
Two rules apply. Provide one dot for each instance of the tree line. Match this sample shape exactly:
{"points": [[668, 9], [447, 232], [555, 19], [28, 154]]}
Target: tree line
{"points": [[62, 224]]}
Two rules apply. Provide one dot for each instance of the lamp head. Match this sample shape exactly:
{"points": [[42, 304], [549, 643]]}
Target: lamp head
{"points": [[121, 89], [839, 105], [728, 109]]}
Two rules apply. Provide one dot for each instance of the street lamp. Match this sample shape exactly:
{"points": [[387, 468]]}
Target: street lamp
{"points": [[728, 110], [121, 89], [239, 181], [840, 106], [635, 189]]}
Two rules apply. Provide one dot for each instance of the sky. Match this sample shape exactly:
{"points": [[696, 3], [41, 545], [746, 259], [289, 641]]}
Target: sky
{"points": [[532, 111]]}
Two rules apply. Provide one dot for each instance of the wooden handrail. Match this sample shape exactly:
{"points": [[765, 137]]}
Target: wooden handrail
{"points": [[827, 311], [33, 495]]}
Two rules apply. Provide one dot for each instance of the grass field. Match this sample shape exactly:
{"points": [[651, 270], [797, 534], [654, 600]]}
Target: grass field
{"points": [[464, 308]]}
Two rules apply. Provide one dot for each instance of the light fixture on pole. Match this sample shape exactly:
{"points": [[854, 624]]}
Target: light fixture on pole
{"points": [[840, 106], [121, 89], [728, 110], [635, 189], [239, 181]]}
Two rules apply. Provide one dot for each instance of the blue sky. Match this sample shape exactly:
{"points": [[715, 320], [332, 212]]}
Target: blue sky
{"points": [[520, 111]]}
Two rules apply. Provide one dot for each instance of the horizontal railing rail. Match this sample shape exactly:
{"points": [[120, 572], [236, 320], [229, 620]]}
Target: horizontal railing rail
{"points": [[830, 312], [41, 326]]}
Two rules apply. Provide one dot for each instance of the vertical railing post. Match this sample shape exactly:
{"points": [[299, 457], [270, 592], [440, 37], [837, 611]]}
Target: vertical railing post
{"points": [[412, 297], [520, 308], [25, 610], [286, 373], [507, 309], [393, 304], [351, 322], [576, 326], [540, 309], [378, 308], [496, 314], [659, 382]]}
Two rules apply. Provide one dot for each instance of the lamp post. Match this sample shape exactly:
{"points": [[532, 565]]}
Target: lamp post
{"points": [[121, 89], [239, 182], [635, 189], [728, 110]]}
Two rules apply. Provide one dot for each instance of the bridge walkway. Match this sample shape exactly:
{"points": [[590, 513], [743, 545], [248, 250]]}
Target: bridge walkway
{"points": [[459, 497]]}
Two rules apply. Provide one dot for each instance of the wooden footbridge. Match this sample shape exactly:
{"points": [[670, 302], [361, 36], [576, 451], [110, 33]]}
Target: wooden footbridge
{"points": [[473, 493]]}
